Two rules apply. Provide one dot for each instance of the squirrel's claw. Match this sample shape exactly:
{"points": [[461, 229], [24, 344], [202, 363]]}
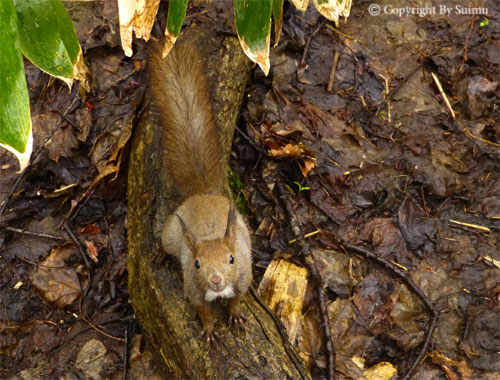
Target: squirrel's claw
{"points": [[237, 319], [210, 336], [158, 257]]}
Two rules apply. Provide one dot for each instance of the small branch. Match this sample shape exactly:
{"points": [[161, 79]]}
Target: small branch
{"points": [[396, 89], [471, 135], [75, 209], [82, 252], [445, 98], [31, 233], [311, 265], [302, 64], [386, 84], [332, 72], [425, 203], [125, 355], [342, 34], [471, 25]]}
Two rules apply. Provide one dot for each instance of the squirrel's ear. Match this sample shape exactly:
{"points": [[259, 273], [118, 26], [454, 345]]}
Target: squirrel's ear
{"points": [[231, 226], [188, 235]]}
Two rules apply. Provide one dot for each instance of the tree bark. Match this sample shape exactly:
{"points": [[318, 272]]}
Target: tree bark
{"points": [[168, 320]]}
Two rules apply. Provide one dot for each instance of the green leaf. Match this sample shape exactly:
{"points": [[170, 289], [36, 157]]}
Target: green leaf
{"points": [[302, 188], [253, 22], [47, 36], [15, 122], [175, 18], [278, 19], [484, 23], [176, 15]]}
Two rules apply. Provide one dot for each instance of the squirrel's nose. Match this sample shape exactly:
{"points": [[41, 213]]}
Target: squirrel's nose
{"points": [[215, 279]]}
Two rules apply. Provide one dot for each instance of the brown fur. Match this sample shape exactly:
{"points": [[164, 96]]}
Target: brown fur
{"points": [[181, 101]]}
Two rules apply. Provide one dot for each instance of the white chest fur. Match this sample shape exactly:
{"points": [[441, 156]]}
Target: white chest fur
{"points": [[228, 292]]}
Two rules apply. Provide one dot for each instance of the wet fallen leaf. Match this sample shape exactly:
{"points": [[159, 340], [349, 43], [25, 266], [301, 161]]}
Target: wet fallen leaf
{"points": [[310, 341], [62, 144], [91, 359], [55, 281], [415, 227]]}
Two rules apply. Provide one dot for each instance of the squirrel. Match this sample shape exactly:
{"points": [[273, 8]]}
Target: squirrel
{"points": [[206, 233]]}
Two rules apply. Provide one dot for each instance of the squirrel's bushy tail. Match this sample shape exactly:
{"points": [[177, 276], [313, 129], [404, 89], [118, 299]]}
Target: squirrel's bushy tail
{"points": [[180, 99]]}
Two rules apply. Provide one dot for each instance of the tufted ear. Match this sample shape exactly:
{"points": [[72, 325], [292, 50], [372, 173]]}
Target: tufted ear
{"points": [[230, 235], [188, 235]]}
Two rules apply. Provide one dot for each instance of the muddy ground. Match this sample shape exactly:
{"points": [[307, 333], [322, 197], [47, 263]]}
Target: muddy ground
{"points": [[349, 140]]}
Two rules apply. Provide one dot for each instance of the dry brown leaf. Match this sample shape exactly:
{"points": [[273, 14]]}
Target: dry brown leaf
{"points": [[289, 150], [56, 282], [380, 371], [81, 73], [62, 144], [92, 250], [311, 341], [283, 288], [455, 370], [308, 166]]}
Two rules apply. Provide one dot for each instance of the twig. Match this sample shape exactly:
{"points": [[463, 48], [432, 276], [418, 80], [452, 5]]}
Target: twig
{"points": [[38, 234], [475, 226], [445, 98], [125, 355], [332, 72], [82, 253], [467, 132], [425, 203], [75, 209], [396, 89], [302, 64], [342, 34], [94, 326], [386, 84], [471, 25], [308, 235], [470, 134], [14, 188], [330, 349]]}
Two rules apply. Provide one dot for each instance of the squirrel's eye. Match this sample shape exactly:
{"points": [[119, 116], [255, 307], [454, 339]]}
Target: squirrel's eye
{"points": [[231, 259], [197, 264]]}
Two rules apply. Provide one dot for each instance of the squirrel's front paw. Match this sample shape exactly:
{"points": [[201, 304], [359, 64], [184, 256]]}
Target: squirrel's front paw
{"points": [[209, 335], [236, 317], [208, 332]]}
